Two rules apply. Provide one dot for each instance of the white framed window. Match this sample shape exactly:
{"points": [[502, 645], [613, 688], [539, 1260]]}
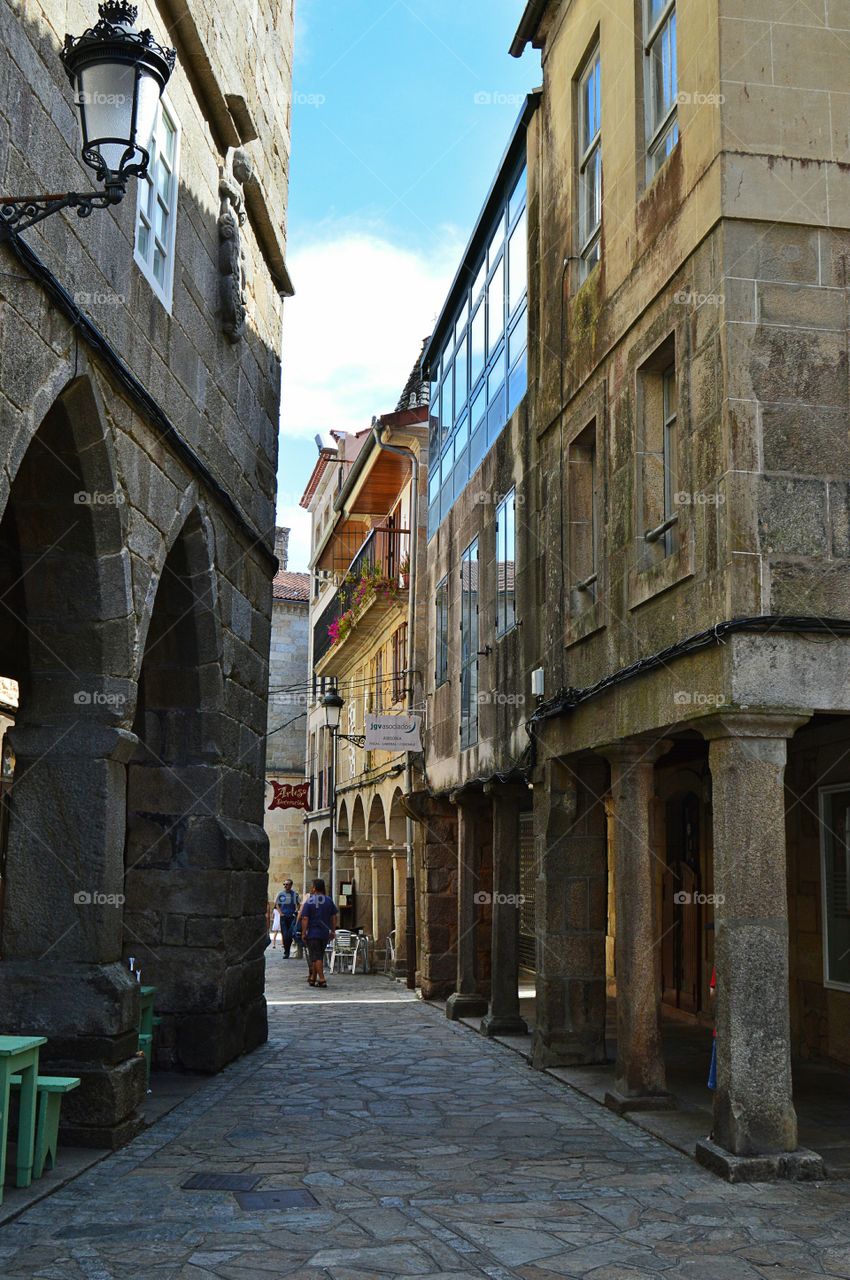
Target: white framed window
{"points": [[156, 212], [506, 564], [661, 81], [590, 164], [834, 803]]}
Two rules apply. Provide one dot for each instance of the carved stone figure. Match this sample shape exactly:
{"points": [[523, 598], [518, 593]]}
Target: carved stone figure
{"points": [[231, 254]]}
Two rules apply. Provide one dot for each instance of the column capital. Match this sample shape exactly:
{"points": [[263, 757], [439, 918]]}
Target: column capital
{"points": [[635, 751], [90, 740], [468, 799], [753, 724]]}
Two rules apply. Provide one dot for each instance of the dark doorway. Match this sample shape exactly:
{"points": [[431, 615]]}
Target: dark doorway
{"points": [[682, 909]]}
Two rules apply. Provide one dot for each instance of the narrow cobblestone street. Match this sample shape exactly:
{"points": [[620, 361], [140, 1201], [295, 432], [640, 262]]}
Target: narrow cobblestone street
{"points": [[429, 1151]]}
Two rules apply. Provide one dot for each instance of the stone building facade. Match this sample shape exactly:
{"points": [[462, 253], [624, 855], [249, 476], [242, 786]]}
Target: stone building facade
{"points": [[681, 569], [139, 421], [361, 647], [288, 697]]}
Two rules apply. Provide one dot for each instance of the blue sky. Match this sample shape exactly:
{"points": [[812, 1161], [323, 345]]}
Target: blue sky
{"points": [[401, 112]]}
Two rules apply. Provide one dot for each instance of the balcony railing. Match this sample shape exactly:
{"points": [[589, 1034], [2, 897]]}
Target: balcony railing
{"points": [[379, 567]]}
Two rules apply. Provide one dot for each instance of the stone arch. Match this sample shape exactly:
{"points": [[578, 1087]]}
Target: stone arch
{"points": [[182, 915], [312, 856], [383, 893], [344, 860], [66, 628], [358, 823], [397, 830], [376, 831], [397, 820], [325, 857]]}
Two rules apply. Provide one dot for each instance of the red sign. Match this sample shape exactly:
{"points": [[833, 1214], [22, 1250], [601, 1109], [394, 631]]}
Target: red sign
{"points": [[288, 797]]}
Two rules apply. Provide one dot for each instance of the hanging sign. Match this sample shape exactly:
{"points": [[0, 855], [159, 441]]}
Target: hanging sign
{"points": [[287, 796], [393, 733]]}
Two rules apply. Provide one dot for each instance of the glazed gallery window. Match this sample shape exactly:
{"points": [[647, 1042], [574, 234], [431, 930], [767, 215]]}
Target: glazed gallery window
{"points": [[657, 456], [661, 81], [482, 374], [590, 164], [469, 646], [441, 631], [156, 214], [506, 564], [835, 884]]}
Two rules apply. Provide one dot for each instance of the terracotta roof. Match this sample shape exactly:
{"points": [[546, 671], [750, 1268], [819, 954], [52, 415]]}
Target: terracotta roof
{"points": [[416, 389], [291, 586]]}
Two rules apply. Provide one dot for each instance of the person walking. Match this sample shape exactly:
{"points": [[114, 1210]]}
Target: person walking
{"points": [[287, 903], [319, 919]]}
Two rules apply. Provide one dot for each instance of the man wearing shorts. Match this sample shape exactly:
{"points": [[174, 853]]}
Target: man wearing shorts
{"points": [[318, 927]]}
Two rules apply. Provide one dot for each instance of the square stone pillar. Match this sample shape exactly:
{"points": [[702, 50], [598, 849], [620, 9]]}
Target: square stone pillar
{"points": [[473, 812], [362, 859], [571, 913], [503, 1017], [755, 1124], [62, 974], [640, 1080], [435, 853], [399, 857], [382, 895]]}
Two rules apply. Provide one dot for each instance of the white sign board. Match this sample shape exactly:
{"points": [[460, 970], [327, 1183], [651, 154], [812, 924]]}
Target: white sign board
{"points": [[393, 733]]}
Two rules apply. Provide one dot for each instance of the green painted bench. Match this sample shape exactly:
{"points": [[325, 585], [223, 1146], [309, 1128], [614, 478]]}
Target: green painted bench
{"points": [[19, 1056], [50, 1090]]}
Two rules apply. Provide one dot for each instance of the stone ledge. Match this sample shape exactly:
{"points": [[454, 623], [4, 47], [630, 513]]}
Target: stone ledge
{"points": [[801, 1165]]}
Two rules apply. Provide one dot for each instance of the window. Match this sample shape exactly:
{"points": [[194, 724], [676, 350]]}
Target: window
{"points": [[480, 374], [399, 680], [156, 214], [506, 564], [469, 646], [441, 630], [835, 884], [581, 481], [658, 454], [661, 81], [590, 164]]}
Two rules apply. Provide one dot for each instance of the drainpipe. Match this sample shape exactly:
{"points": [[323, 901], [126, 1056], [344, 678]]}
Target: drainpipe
{"points": [[410, 895]]}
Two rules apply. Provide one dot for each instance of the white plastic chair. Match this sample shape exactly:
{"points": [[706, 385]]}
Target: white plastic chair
{"points": [[345, 947], [389, 952]]}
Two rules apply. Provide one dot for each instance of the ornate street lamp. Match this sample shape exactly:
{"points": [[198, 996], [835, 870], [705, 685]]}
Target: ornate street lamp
{"points": [[118, 75], [333, 705]]}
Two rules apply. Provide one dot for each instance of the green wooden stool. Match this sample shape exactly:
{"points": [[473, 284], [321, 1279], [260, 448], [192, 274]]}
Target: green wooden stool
{"points": [[50, 1090], [19, 1054]]}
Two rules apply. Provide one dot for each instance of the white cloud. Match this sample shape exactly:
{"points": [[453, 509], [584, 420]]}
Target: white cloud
{"points": [[354, 328]]}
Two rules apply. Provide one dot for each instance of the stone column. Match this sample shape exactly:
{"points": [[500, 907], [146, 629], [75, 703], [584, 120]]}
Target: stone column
{"points": [[571, 910], [363, 888], [382, 895], [640, 1080], [62, 974], [436, 861], [503, 1017], [754, 1116], [466, 1000], [399, 857]]}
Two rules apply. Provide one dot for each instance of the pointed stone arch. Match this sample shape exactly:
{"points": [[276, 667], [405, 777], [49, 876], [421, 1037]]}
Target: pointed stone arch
{"points": [[66, 636]]}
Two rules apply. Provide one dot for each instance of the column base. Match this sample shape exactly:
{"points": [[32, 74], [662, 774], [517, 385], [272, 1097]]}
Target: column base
{"points": [[623, 1102], [564, 1052], [801, 1165], [494, 1025], [465, 1005]]}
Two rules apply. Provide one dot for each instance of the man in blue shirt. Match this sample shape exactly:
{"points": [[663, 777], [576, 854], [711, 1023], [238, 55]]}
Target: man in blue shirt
{"points": [[287, 903], [318, 927]]}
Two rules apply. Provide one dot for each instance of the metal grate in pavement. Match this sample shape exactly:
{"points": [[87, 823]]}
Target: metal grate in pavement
{"points": [[221, 1182], [276, 1200]]}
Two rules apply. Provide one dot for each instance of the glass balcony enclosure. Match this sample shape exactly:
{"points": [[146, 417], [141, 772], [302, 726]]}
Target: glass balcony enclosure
{"points": [[477, 358]]}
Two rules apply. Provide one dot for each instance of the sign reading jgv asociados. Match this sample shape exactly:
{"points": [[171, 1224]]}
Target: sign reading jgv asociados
{"points": [[393, 733]]}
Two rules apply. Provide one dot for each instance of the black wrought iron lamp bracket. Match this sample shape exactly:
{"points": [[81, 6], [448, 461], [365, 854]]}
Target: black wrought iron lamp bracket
{"points": [[359, 739], [17, 213]]}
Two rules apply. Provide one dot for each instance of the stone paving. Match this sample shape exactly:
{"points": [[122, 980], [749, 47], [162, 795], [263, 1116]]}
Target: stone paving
{"points": [[430, 1152]]}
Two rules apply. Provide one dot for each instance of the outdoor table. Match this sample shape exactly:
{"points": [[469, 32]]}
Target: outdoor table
{"points": [[19, 1057]]}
